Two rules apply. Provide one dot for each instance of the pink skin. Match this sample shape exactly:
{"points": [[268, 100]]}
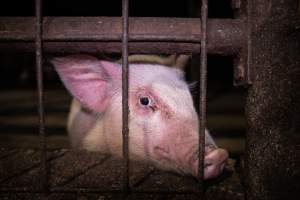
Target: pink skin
{"points": [[163, 132], [214, 162], [178, 149]]}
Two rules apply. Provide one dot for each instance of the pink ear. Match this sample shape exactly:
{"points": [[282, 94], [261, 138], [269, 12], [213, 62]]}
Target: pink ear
{"points": [[88, 79]]}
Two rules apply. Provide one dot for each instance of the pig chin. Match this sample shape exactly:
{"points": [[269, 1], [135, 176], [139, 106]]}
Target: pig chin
{"points": [[182, 160]]}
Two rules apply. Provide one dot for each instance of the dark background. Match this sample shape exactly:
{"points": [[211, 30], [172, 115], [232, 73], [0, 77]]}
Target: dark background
{"points": [[153, 8]]}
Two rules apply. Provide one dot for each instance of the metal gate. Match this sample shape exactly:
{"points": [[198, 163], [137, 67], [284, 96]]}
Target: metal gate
{"points": [[244, 37]]}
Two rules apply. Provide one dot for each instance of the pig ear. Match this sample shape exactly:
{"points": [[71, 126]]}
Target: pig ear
{"points": [[88, 79]]}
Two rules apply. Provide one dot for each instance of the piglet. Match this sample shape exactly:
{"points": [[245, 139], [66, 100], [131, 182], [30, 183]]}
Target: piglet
{"points": [[162, 121]]}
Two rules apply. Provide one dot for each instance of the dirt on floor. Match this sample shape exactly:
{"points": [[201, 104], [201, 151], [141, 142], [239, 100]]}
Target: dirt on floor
{"points": [[86, 175]]}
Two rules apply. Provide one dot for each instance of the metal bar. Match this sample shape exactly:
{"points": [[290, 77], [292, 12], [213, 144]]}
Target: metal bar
{"points": [[110, 28], [116, 47], [224, 34], [125, 108], [242, 73], [40, 87], [202, 103]]}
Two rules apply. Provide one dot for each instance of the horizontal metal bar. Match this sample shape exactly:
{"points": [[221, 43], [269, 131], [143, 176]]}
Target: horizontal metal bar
{"points": [[223, 35], [116, 47], [110, 29]]}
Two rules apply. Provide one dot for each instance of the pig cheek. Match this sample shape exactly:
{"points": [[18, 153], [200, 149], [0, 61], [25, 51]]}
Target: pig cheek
{"points": [[179, 145], [140, 132], [144, 135], [148, 130]]}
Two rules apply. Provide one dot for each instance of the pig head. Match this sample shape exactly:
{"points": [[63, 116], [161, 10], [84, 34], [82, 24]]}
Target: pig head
{"points": [[162, 121]]}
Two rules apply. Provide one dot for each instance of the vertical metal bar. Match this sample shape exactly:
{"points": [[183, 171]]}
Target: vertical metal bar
{"points": [[249, 43], [40, 88], [125, 109], [203, 87]]}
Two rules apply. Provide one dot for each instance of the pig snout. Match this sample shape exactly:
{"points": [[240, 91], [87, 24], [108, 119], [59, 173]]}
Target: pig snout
{"points": [[185, 160], [214, 161], [180, 153]]}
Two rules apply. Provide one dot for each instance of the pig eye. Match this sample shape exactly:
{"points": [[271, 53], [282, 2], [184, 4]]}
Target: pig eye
{"points": [[145, 101]]}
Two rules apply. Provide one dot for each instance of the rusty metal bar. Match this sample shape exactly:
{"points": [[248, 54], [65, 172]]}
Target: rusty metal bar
{"points": [[40, 88], [202, 103], [110, 29], [242, 71], [125, 108], [115, 47], [223, 35]]}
